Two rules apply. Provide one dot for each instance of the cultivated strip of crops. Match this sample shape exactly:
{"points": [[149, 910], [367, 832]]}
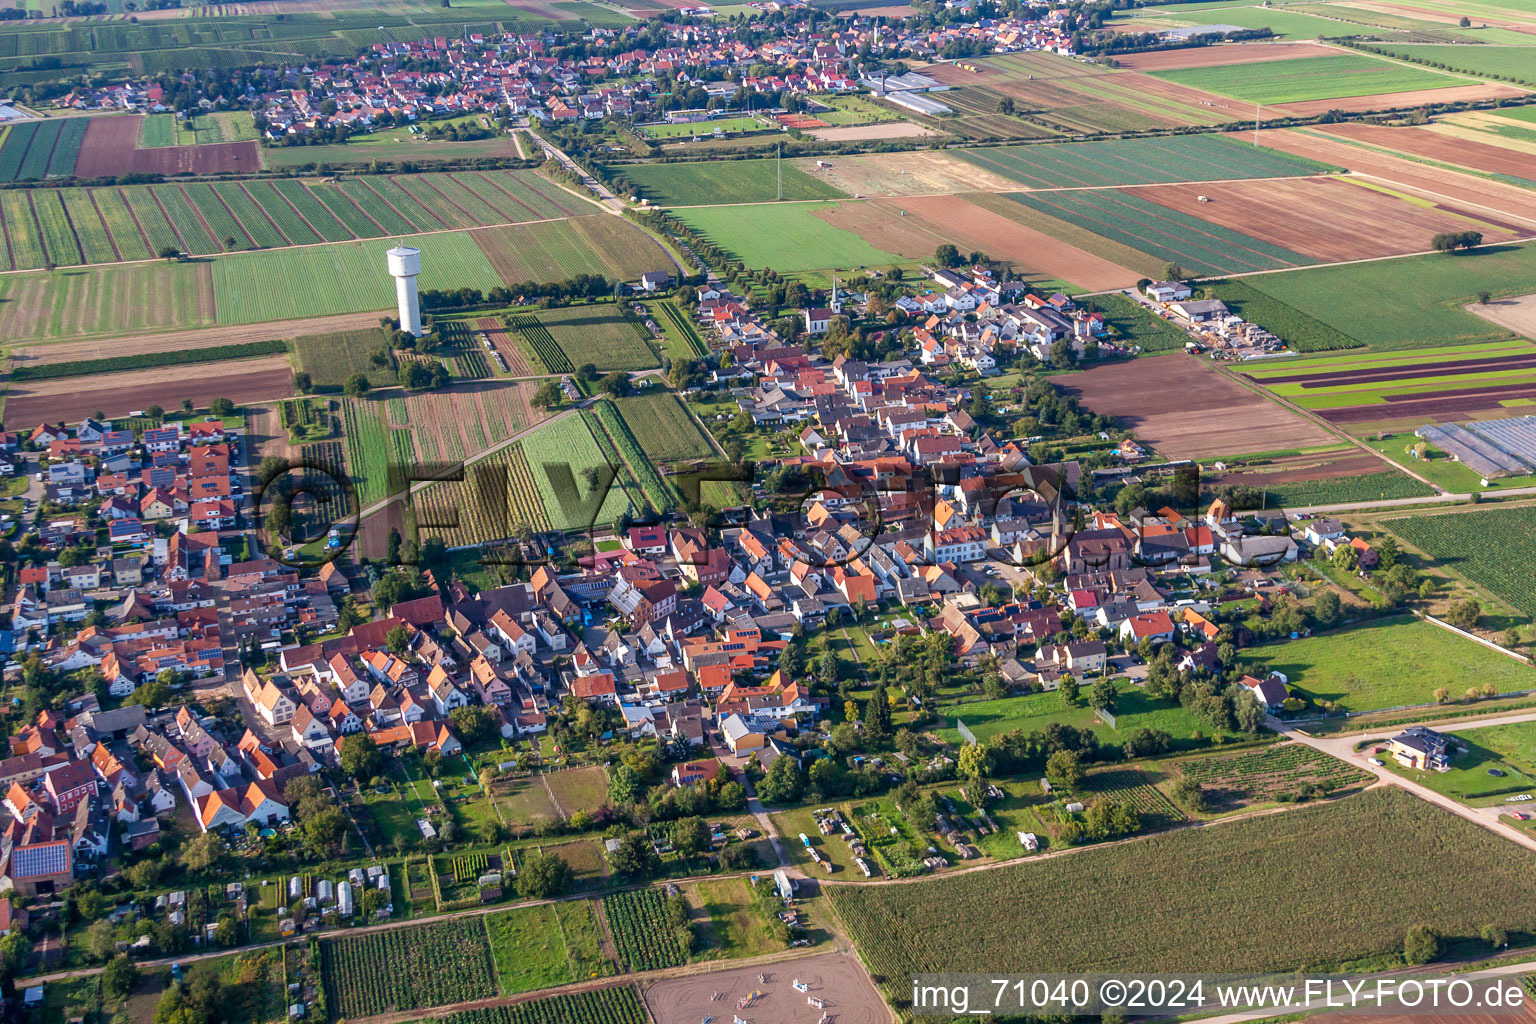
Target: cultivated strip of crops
{"points": [[407, 968], [544, 346], [260, 229], [63, 250], [605, 1006], [638, 921], [119, 220], [194, 236]]}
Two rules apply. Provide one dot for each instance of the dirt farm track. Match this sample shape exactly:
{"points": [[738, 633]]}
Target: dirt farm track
{"points": [[1186, 409], [838, 978]]}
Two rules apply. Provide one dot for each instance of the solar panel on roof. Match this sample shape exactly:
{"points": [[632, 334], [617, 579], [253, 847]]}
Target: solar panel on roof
{"points": [[33, 861]]}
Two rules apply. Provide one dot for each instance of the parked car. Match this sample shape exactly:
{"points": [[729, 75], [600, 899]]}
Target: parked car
{"points": [[1377, 762]]}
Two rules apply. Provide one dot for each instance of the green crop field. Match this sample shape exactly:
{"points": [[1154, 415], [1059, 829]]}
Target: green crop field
{"points": [[609, 247], [618, 1005], [1138, 162], [1360, 668], [606, 334], [714, 182], [330, 359], [1295, 328], [1491, 61], [1134, 325], [638, 921], [407, 968], [1494, 548], [664, 427], [1406, 303], [90, 230], [1133, 787], [1203, 248], [114, 299], [1341, 489], [619, 446], [1306, 874], [1310, 78], [528, 950], [374, 446], [558, 455], [283, 284], [788, 237]]}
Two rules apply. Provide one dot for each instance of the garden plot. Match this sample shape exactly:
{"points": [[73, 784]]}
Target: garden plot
{"points": [[1235, 781]]}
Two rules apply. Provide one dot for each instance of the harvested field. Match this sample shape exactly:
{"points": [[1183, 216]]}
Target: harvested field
{"points": [[1401, 100], [1512, 203], [1435, 146], [836, 977], [497, 332], [174, 341], [1186, 409], [888, 130], [1221, 54], [921, 172], [106, 140], [1518, 313], [1328, 218], [240, 380], [913, 227]]}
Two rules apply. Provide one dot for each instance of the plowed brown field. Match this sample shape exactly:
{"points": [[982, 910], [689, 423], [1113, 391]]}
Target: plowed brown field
{"points": [[1512, 203], [1425, 143], [1186, 409], [915, 226], [107, 143], [1328, 219], [110, 147], [115, 394]]}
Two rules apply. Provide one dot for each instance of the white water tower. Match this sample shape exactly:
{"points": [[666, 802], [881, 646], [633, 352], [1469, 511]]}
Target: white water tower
{"points": [[404, 265]]}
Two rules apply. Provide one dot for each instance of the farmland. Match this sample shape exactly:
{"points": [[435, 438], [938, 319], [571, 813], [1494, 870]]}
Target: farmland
{"points": [[1410, 387], [1204, 423], [719, 182], [537, 337], [617, 1005], [1139, 162], [1134, 788], [1360, 668], [1234, 781], [619, 444], [1408, 303], [276, 214], [1318, 478], [663, 427], [528, 950], [331, 358], [1499, 560], [1203, 247], [1310, 78], [407, 968], [606, 334], [1038, 711], [789, 237], [1191, 883], [378, 456], [33, 150], [643, 930], [1486, 61], [559, 250]]}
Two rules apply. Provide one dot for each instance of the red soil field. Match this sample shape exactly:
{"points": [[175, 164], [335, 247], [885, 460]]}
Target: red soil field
{"points": [[1221, 54], [1426, 143], [116, 394], [933, 220], [1401, 100], [107, 141], [1512, 203], [1325, 218], [1185, 408]]}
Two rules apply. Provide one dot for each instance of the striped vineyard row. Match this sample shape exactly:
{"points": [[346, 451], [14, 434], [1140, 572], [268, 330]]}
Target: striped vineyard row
{"points": [[544, 345]]}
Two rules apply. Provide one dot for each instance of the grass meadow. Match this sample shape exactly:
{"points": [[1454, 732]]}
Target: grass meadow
{"points": [[788, 237], [1309, 78]]}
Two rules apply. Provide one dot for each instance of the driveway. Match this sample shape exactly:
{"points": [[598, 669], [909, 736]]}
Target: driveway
{"points": [[1343, 748]]}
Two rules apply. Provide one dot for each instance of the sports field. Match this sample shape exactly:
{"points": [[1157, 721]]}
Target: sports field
{"points": [[1201, 247], [1139, 162], [789, 237], [1202, 888], [1311, 78], [1360, 668], [1407, 303], [712, 182]]}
